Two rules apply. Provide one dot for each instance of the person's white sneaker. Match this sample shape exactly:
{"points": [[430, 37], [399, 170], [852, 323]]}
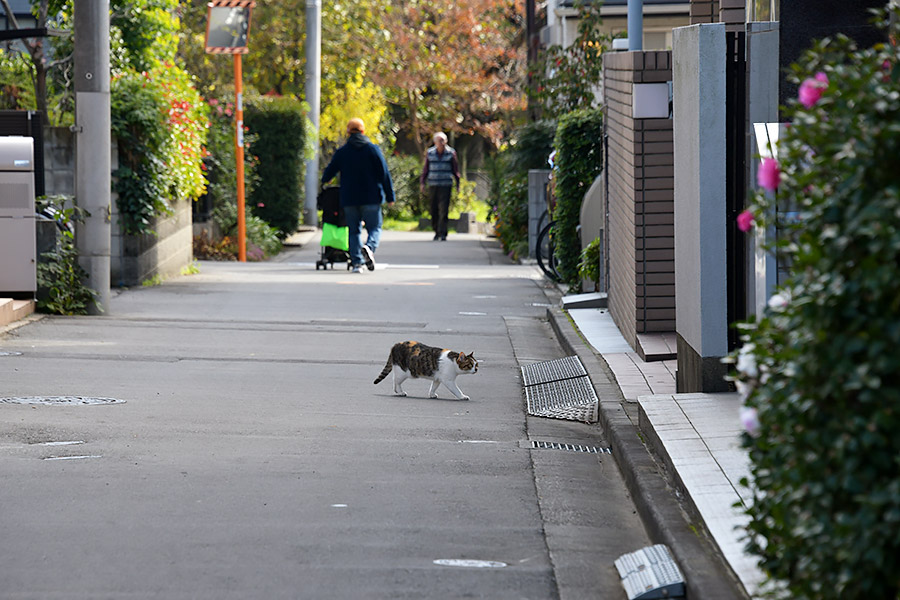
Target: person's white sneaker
{"points": [[369, 257], [356, 269]]}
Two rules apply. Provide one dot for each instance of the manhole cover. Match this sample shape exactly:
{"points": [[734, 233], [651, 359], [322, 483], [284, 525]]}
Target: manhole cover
{"points": [[569, 367], [60, 400]]}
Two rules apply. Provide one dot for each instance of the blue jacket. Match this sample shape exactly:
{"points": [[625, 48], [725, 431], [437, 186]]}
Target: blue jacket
{"points": [[365, 178]]}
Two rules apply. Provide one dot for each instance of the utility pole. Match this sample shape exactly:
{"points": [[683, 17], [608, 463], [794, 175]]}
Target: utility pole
{"points": [[635, 24], [531, 41], [313, 93], [93, 178]]}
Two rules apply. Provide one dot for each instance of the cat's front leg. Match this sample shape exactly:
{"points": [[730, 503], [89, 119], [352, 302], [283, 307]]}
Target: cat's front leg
{"points": [[451, 385], [432, 393]]}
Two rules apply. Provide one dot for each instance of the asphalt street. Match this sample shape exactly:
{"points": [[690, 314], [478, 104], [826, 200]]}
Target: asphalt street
{"points": [[253, 458]]}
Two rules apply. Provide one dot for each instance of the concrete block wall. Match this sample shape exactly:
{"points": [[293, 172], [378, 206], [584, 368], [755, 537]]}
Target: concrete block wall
{"points": [[640, 200], [59, 161], [136, 258], [133, 259]]}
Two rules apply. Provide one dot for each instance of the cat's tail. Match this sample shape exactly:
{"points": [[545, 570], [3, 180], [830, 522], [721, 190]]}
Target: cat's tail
{"points": [[385, 370]]}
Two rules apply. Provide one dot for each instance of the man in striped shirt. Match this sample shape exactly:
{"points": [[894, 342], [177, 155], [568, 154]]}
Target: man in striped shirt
{"points": [[439, 172]]}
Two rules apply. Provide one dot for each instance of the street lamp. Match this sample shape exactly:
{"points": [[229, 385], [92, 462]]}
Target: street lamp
{"points": [[227, 31]]}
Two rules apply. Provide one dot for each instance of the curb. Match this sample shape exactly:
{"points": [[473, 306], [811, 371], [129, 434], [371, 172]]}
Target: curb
{"points": [[705, 571]]}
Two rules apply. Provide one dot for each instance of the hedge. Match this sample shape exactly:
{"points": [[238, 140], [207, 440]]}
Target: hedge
{"points": [[579, 159], [509, 182], [820, 371], [279, 125]]}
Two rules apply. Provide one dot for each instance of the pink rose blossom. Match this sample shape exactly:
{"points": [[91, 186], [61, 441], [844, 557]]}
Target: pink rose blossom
{"points": [[769, 175], [745, 221], [811, 90]]}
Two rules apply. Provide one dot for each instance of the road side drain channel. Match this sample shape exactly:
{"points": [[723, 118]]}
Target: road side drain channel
{"points": [[539, 445]]}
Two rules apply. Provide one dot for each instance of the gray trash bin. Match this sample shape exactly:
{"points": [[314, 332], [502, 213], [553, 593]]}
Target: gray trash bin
{"points": [[18, 275]]}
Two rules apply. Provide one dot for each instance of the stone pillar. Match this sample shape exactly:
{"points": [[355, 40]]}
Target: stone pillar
{"points": [[700, 207]]}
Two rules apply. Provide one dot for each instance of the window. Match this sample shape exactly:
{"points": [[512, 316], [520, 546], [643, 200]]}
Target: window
{"points": [[763, 10]]}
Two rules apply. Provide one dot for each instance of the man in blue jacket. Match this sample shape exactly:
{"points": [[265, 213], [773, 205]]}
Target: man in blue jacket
{"points": [[365, 184]]}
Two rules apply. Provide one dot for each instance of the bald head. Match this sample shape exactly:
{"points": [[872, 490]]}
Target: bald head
{"points": [[355, 125]]}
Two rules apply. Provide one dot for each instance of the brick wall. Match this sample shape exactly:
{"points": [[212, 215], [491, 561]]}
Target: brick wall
{"points": [[640, 200]]}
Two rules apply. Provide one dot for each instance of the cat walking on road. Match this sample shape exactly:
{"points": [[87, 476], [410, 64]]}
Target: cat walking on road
{"points": [[412, 359]]}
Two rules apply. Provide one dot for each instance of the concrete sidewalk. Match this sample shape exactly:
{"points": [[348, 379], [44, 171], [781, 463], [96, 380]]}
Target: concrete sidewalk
{"points": [[695, 437]]}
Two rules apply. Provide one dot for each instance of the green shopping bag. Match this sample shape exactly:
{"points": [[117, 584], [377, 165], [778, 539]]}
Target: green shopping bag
{"points": [[335, 237]]}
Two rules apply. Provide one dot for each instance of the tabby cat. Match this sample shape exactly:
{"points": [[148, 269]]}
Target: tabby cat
{"points": [[412, 359]]}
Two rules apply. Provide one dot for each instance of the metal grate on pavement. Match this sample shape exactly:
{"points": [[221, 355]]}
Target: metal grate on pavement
{"points": [[568, 367], [569, 399]]}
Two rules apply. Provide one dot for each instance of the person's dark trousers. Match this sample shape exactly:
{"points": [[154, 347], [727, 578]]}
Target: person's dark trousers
{"points": [[440, 208]]}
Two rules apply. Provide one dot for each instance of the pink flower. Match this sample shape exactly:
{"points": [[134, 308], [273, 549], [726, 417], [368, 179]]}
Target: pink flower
{"points": [[769, 175], [750, 420], [745, 221], [811, 90]]}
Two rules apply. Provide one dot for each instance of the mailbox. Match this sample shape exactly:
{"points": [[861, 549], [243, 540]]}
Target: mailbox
{"points": [[18, 264]]}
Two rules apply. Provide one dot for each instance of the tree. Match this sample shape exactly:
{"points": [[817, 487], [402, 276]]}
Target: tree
{"points": [[36, 47], [566, 79], [453, 66]]}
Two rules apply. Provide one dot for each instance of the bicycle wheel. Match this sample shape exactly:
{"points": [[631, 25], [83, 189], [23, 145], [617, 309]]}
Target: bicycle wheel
{"points": [[545, 251]]}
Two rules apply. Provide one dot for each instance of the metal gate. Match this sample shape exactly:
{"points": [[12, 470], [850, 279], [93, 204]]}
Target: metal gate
{"points": [[736, 179]]}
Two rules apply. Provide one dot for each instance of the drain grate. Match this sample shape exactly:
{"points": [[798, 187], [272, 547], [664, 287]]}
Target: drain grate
{"points": [[553, 370], [570, 399], [10, 353], [536, 444], [60, 400], [560, 389]]}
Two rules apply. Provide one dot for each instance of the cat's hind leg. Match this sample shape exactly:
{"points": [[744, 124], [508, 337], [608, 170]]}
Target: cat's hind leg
{"points": [[432, 393], [451, 385], [399, 377]]}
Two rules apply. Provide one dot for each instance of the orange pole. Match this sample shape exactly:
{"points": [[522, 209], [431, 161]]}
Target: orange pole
{"points": [[239, 157]]}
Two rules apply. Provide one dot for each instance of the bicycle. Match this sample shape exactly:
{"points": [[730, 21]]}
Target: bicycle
{"points": [[545, 249]]}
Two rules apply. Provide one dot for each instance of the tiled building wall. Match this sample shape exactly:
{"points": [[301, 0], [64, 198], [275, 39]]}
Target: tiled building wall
{"points": [[730, 12], [704, 11], [640, 200]]}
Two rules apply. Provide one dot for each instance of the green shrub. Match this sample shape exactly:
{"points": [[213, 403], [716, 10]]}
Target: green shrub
{"points": [[409, 202], [820, 371], [61, 280], [589, 262], [579, 159], [511, 222], [222, 188], [509, 182], [158, 118], [159, 123], [279, 124]]}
